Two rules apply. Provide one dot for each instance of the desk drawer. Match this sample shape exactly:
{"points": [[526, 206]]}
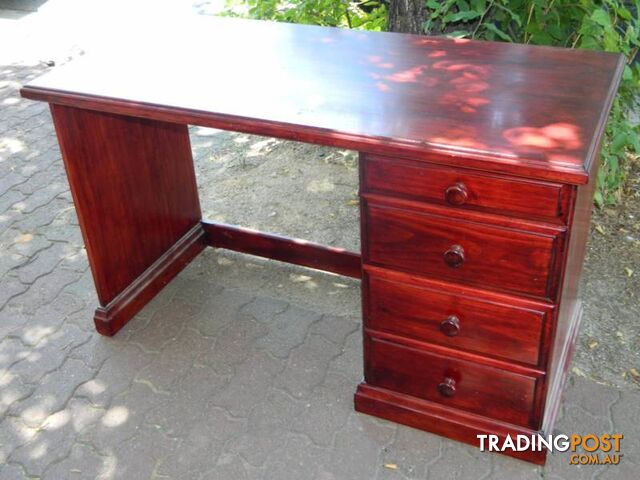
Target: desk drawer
{"points": [[464, 385], [508, 330], [471, 253], [462, 188]]}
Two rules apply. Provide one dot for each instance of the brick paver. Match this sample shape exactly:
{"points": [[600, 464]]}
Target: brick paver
{"points": [[214, 378]]}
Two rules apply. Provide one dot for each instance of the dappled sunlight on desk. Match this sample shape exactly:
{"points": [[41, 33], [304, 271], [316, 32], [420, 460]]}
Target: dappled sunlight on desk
{"points": [[563, 136]]}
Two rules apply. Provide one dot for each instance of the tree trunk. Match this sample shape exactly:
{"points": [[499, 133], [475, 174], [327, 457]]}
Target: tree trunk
{"points": [[406, 16]]}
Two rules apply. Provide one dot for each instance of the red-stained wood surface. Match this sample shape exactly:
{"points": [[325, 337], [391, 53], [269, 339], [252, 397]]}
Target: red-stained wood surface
{"points": [[441, 419], [276, 247], [559, 369], [464, 188], [114, 315], [134, 190], [496, 326], [493, 106], [570, 311], [487, 391], [407, 208], [490, 256]]}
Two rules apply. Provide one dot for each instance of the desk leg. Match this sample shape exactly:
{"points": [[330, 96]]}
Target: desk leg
{"points": [[134, 189]]}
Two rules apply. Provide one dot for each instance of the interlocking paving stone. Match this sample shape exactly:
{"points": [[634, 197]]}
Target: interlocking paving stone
{"points": [[44, 290], [82, 462], [408, 455], [48, 355], [358, 446], [325, 410], [307, 365], [108, 381], [625, 416], [225, 303], [233, 344], [461, 461], [52, 393], [299, 459], [335, 328], [210, 380], [10, 287], [246, 387], [202, 443], [13, 434], [288, 330], [12, 472], [264, 309], [55, 438]]}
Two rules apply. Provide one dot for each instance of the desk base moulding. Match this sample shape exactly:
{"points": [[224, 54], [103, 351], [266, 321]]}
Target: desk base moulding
{"points": [[458, 424]]}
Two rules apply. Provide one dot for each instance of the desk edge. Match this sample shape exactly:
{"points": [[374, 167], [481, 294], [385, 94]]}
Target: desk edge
{"points": [[522, 167]]}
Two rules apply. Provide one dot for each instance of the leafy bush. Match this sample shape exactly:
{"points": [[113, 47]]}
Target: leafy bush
{"points": [[610, 25], [367, 14]]}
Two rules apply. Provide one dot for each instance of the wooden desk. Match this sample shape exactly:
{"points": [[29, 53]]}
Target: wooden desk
{"points": [[477, 169]]}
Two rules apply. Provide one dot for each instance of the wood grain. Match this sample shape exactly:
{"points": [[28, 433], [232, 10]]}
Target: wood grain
{"points": [[482, 390], [284, 249], [511, 260], [110, 318], [498, 194], [440, 419], [567, 321], [134, 189], [510, 329], [493, 106]]}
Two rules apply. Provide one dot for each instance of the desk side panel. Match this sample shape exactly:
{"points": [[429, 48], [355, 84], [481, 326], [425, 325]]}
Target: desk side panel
{"points": [[570, 309], [134, 190]]}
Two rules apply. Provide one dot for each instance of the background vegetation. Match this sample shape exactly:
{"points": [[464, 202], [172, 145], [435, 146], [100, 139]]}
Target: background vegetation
{"points": [[610, 25]]}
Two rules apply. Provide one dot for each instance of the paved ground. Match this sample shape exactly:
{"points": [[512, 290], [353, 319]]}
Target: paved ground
{"points": [[241, 368]]}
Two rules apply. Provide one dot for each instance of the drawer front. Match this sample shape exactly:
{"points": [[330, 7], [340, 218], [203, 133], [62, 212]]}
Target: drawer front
{"points": [[463, 188], [467, 252], [507, 331], [467, 386]]}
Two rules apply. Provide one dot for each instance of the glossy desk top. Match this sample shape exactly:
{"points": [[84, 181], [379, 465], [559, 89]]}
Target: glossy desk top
{"points": [[532, 111]]}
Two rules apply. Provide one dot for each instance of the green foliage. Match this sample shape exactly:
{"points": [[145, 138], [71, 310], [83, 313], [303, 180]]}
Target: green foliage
{"points": [[369, 15], [610, 25]]}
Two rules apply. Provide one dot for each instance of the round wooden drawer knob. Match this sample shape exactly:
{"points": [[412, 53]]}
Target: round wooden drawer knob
{"points": [[456, 194], [454, 257], [451, 326], [447, 387]]}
